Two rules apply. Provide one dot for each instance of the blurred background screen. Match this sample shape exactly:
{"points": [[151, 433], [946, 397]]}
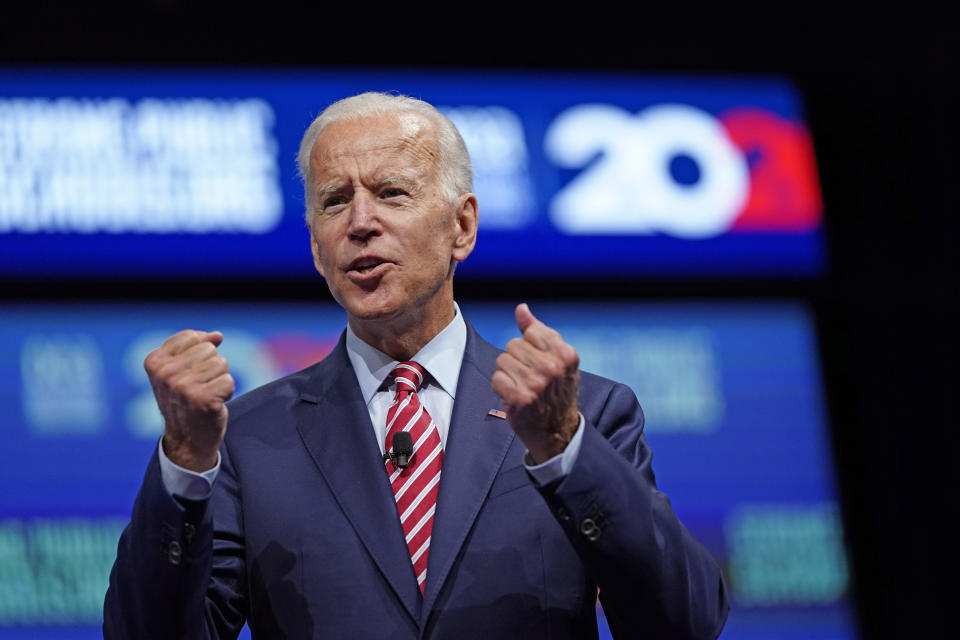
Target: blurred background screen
{"points": [[171, 173], [733, 396]]}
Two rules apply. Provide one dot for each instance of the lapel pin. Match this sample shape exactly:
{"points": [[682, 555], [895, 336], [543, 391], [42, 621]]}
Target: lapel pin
{"points": [[496, 413]]}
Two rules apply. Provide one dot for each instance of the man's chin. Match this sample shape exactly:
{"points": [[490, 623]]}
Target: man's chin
{"points": [[374, 313], [384, 306], [365, 304]]}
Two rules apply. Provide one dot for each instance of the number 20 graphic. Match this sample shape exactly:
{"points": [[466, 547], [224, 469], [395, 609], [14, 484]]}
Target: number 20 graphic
{"points": [[631, 187]]}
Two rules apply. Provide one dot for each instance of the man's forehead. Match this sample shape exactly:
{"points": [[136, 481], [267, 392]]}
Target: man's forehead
{"points": [[375, 137]]}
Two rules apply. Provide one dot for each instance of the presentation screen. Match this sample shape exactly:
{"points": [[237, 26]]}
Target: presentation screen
{"points": [[732, 395], [190, 173]]}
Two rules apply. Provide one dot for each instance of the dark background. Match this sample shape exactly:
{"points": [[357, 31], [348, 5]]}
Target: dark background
{"points": [[882, 105]]}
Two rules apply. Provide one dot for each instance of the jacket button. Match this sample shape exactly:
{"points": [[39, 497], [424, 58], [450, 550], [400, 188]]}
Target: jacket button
{"points": [[589, 529], [189, 531], [174, 553], [562, 514]]}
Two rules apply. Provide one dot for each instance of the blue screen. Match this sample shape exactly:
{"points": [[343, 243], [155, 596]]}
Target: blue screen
{"points": [[732, 395], [175, 173]]}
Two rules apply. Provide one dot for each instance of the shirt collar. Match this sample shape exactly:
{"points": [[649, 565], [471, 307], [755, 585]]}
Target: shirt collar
{"points": [[441, 357]]}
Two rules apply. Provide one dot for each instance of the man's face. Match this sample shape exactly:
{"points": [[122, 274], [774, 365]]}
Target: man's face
{"points": [[383, 235]]}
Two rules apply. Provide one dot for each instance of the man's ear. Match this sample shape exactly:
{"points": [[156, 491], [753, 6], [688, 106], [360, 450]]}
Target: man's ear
{"points": [[466, 227], [315, 250]]}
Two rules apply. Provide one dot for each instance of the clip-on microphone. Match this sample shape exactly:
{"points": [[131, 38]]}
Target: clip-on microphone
{"points": [[401, 451]]}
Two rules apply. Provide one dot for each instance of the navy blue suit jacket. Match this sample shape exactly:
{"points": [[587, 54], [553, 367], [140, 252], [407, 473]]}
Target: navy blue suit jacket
{"points": [[301, 535]]}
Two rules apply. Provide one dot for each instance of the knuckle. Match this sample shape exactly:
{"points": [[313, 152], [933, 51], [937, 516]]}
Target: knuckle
{"points": [[172, 338], [550, 367], [178, 387], [186, 390], [169, 372], [538, 385], [166, 371], [153, 361], [184, 335]]}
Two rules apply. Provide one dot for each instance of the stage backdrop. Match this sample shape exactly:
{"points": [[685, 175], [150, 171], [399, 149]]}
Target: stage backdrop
{"points": [[732, 394], [171, 173]]}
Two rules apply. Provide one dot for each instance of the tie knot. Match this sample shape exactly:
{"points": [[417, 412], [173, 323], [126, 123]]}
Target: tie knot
{"points": [[409, 376]]}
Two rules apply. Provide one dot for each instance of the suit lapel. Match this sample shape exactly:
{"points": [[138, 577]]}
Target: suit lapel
{"points": [[476, 447], [335, 427]]}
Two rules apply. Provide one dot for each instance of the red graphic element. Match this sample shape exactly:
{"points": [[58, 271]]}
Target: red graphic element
{"points": [[784, 190], [294, 351]]}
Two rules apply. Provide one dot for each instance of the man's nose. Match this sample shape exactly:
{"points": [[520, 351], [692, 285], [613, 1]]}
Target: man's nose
{"points": [[364, 217]]}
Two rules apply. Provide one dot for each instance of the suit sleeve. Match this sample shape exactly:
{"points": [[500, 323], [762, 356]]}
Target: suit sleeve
{"points": [[174, 576], [655, 579]]}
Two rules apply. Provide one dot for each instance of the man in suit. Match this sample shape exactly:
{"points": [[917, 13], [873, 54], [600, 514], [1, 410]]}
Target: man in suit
{"points": [[529, 485]]}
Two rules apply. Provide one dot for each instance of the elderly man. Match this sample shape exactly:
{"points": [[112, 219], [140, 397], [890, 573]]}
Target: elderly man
{"points": [[523, 487]]}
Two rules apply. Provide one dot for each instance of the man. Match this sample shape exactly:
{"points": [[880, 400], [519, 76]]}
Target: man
{"points": [[529, 485]]}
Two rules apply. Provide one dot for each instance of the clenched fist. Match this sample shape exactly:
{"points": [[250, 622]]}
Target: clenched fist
{"points": [[538, 378], [191, 383]]}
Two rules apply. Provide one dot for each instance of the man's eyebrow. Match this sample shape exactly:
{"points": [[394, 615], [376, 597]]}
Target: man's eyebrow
{"points": [[397, 179], [330, 188]]}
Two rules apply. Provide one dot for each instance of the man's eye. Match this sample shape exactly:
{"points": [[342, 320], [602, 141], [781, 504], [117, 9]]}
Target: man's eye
{"points": [[333, 201], [392, 192]]}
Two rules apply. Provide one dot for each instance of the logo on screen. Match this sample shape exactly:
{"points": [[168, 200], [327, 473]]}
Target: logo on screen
{"points": [[679, 170]]}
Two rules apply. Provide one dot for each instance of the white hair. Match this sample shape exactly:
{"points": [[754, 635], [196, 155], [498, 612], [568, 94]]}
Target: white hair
{"points": [[453, 162]]}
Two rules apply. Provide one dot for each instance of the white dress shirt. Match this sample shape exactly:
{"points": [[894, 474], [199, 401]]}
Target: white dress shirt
{"points": [[441, 359]]}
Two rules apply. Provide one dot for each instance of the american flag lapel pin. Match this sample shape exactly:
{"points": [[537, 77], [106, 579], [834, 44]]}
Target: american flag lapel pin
{"points": [[496, 413]]}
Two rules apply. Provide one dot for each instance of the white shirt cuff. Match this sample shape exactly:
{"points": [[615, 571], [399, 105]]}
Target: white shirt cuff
{"points": [[559, 465], [183, 482]]}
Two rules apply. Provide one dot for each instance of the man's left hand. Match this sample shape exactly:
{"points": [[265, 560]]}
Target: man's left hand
{"points": [[537, 378]]}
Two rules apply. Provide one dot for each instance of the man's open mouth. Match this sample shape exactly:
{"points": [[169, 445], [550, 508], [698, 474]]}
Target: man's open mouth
{"points": [[365, 264]]}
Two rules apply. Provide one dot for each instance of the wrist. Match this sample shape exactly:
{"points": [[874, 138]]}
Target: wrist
{"points": [[183, 455], [545, 445], [540, 453]]}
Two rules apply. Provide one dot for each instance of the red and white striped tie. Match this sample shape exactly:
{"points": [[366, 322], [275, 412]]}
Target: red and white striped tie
{"points": [[415, 488]]}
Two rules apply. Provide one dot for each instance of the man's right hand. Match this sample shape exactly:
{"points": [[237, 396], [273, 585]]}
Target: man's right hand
{"points": [[191, 383]]}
